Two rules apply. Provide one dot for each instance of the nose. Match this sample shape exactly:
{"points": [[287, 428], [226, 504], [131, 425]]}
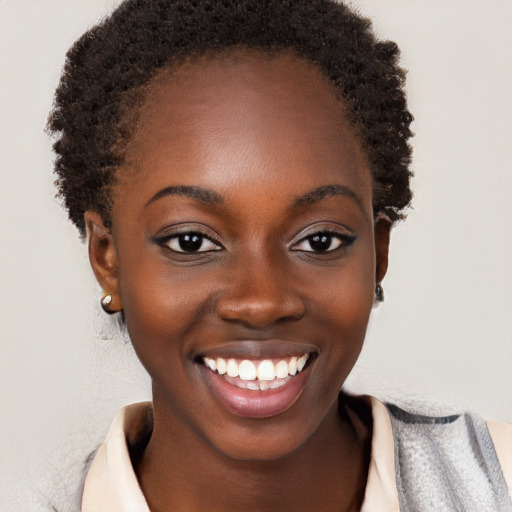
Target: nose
{"points": [[259, 292]]}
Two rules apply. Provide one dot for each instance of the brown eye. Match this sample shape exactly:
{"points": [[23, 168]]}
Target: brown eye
{"points": [[323, 241], [191, 242]]}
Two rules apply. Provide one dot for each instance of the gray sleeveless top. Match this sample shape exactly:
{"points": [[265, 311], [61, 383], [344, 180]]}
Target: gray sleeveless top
{"points": [[446, 464]]}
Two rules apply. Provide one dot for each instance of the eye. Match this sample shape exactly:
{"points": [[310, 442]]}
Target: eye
{"points": [[324, 241], [191, 242]]}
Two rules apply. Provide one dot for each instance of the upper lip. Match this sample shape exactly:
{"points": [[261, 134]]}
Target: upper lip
{"points": [[250, 349]]}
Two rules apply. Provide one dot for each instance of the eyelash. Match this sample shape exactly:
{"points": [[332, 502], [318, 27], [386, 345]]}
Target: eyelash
{"points": [[194, 237], [180, 238], [344, 240]]}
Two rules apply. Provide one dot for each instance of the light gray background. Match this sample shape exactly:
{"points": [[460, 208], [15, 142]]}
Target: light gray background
{"points": [[444, 333]]}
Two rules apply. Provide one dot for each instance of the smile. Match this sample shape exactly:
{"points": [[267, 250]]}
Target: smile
{"points": [[257, 388], [257, 375]]}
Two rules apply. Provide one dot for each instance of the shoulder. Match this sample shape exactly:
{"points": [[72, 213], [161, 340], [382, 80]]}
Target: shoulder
{"points": [[111, 483], [450, 462], [501, 436]]}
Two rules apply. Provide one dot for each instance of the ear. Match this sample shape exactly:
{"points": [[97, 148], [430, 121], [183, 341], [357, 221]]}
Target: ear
{"points": [[103, 259], [382, 231]]}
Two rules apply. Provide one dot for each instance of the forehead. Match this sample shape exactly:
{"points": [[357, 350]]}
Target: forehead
{"points": [[245, 116]]}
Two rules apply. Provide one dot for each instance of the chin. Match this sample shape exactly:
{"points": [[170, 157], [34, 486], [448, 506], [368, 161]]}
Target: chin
{"points": [[263, 446]]}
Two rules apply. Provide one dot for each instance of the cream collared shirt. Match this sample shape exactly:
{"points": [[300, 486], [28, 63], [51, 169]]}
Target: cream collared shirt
{"points": [[111, 484]]}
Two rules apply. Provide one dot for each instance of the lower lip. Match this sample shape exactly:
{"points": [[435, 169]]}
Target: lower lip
{"points": [[256, 404]]}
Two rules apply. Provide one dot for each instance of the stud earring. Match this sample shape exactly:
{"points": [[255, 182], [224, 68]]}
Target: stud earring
{"points": [[105, 303], [379, 293]]}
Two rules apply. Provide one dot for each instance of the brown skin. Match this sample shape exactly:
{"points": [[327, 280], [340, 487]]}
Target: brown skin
{"points": [[258, 132]]}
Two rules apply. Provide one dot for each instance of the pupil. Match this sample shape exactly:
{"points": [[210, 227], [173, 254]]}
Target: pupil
{"points": [[320, 243], [190, 242]]}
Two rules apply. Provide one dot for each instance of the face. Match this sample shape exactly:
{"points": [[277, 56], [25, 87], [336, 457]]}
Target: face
{"points": [[243, 250]]}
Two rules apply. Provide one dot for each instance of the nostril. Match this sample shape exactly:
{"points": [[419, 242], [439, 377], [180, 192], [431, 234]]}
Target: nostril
{"points": [[260, 313], [259, 293]]}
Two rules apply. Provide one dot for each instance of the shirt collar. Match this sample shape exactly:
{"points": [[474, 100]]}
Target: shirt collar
{"points": [[112, 486]]}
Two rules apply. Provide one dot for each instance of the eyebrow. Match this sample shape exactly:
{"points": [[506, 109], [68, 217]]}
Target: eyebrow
{"points": [[321, 193], [201, 194], [211, 197]]}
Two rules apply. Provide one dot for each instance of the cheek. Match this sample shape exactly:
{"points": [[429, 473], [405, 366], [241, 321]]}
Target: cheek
{"points": [[162, 306], [342, 308], [345, 294]]}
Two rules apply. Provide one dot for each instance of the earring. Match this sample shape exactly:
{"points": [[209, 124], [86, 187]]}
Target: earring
{"points": [[379, 293], [105, 303]]}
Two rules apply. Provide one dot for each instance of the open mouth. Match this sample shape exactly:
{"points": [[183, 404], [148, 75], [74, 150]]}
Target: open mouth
{"points": [[257, 387], [257, 375]]}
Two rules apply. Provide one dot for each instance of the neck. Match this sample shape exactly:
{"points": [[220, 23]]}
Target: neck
{"points": [[180, 471]]}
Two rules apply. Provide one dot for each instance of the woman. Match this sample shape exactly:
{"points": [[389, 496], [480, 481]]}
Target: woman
{"points": [[237, 168]]}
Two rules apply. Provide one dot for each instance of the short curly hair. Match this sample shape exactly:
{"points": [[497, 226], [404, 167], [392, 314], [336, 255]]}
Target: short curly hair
{"points": [[107, 68]]}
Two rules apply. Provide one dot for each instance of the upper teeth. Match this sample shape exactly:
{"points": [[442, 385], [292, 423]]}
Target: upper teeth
{"points": [[261, 370]]}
